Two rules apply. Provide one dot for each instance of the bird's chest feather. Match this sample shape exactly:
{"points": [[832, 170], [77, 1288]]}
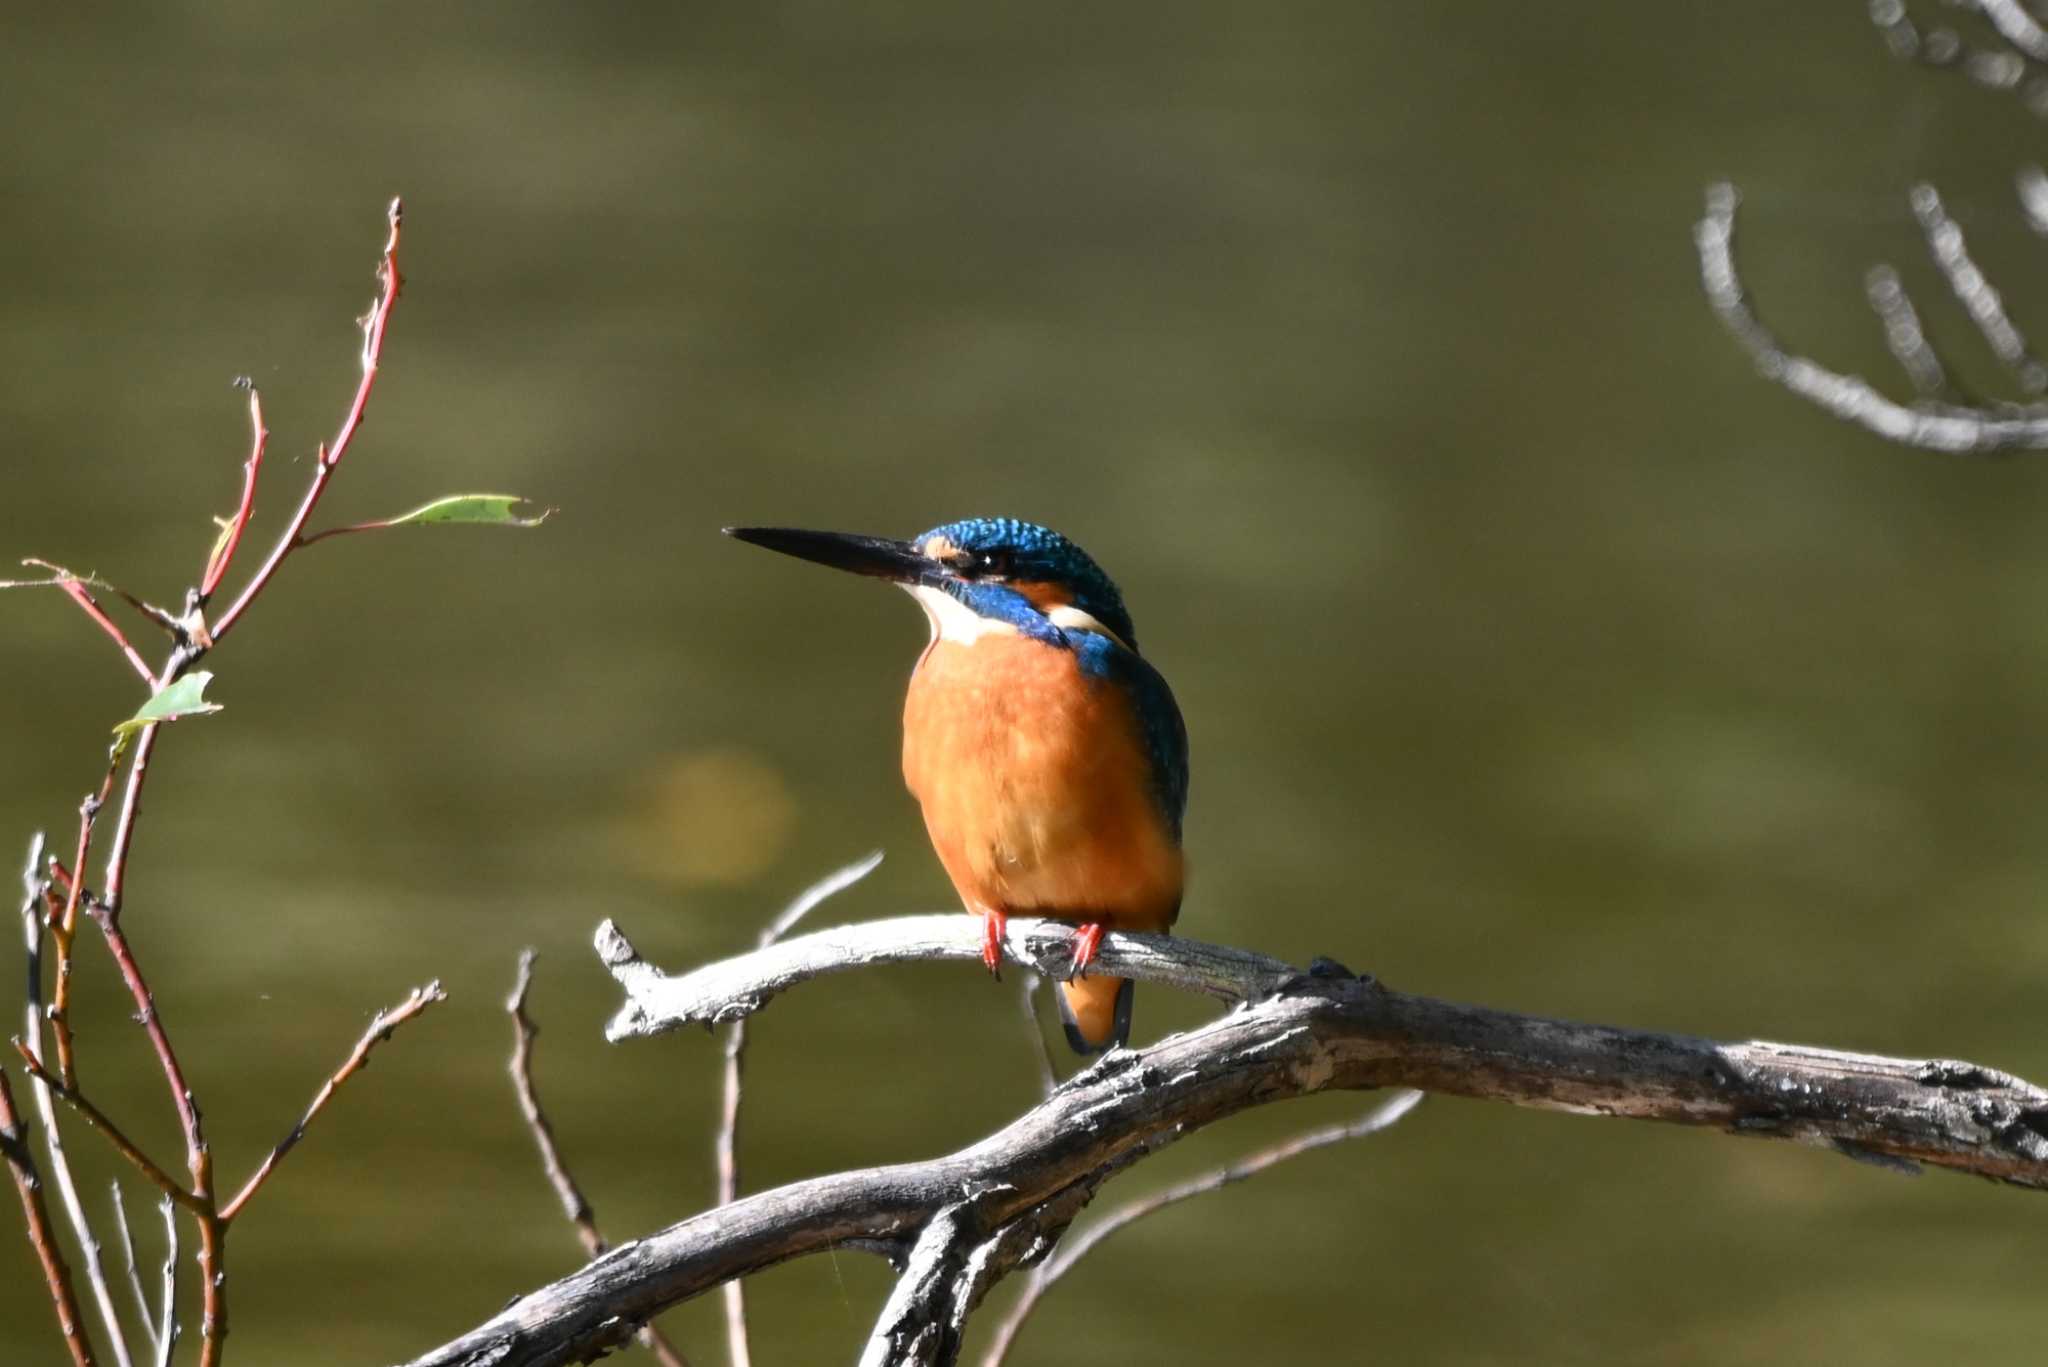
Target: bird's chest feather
{"points": [[1035, 786]]}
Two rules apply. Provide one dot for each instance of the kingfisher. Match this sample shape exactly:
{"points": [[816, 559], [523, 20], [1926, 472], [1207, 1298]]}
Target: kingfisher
{"points": [[1049, 757]]}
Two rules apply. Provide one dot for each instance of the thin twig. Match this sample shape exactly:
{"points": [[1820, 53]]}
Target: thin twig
{"points": [[381, 1029], [32, 926], [223, 553], [574, 1204], [1974, 291], [99, 1120], [330, 453], [1027, 1002], [133, 1268], [1903, 334], [21, 1165], [1380, 1117], [167, 1306], [726, 1145], [64, 930], [77, 592]]}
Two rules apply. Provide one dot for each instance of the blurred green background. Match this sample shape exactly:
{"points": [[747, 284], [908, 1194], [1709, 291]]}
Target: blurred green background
{"points": [[1534, 651]]}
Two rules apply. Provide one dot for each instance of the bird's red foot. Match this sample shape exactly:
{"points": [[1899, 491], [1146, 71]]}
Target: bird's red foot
{"points": [[1087, 942], [993, 923]]}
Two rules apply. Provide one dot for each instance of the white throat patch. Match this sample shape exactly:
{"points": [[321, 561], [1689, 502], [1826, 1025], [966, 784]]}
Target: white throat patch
{"points": [[953, 620]]}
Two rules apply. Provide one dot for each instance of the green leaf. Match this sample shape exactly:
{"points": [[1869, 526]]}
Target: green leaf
{"points": [[503, 510], [184, 698]]}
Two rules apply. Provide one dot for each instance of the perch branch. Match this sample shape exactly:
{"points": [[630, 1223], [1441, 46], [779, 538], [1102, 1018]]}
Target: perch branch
{"points": [[658, 1002], [1299, 1034]]}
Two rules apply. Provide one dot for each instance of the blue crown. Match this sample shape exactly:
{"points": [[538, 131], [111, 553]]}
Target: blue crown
{"points": [[1026, 553]]}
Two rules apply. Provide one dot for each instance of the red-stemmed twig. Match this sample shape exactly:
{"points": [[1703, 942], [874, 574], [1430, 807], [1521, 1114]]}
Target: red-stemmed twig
{"points": [[75, 589], [1380, 1117], [21, 1164], [331, 453], [223, 553], [381, 1028], [63, 929], [99, 1120], [575, 1205]]}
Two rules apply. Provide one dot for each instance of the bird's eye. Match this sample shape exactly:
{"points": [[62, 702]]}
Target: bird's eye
{"points": [[992, 565]]}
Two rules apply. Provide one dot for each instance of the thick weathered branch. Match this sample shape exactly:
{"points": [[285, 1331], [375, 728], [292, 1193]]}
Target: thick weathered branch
{"points": [[1305, 1033]]}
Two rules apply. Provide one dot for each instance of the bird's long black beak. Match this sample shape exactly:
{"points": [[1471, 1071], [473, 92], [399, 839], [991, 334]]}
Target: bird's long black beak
{"points": [[878, 557]]}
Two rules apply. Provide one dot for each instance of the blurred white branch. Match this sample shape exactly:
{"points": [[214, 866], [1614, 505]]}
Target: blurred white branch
{"points": [[1930, 426]]}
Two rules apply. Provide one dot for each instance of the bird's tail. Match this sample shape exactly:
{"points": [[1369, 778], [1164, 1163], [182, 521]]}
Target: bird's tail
{"points": [[1096, 1012]]}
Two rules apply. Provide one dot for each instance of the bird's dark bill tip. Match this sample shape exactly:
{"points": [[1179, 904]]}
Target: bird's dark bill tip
{"points": [[877, 556]]}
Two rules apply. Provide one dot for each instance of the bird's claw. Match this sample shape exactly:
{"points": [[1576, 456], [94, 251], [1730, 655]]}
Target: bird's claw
{"points": [[1087, 943], [993, 925]]}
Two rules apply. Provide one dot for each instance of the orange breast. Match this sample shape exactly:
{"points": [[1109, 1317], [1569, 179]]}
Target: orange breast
{"points": [[1035, 787]]}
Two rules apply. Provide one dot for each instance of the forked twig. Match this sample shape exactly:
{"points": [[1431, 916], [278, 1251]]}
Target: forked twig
{"points": [[575, 1205], [381, 1029]]}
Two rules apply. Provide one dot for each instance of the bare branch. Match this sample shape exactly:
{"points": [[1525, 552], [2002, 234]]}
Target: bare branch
{"points": [[133, 1269], [223, 553], [1847, 397], [1903, 333], [1308, 1033], [1027, 1003], [726, 1145], [33, 888], [1383, 1116], [167, 1306], [2032, 184], [657, 1002], [2017, 27], [21, 1165], [2004, 70], [99, 1120], [1974, 292], [574, 1204], [381, 1029], [330, 454]]}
